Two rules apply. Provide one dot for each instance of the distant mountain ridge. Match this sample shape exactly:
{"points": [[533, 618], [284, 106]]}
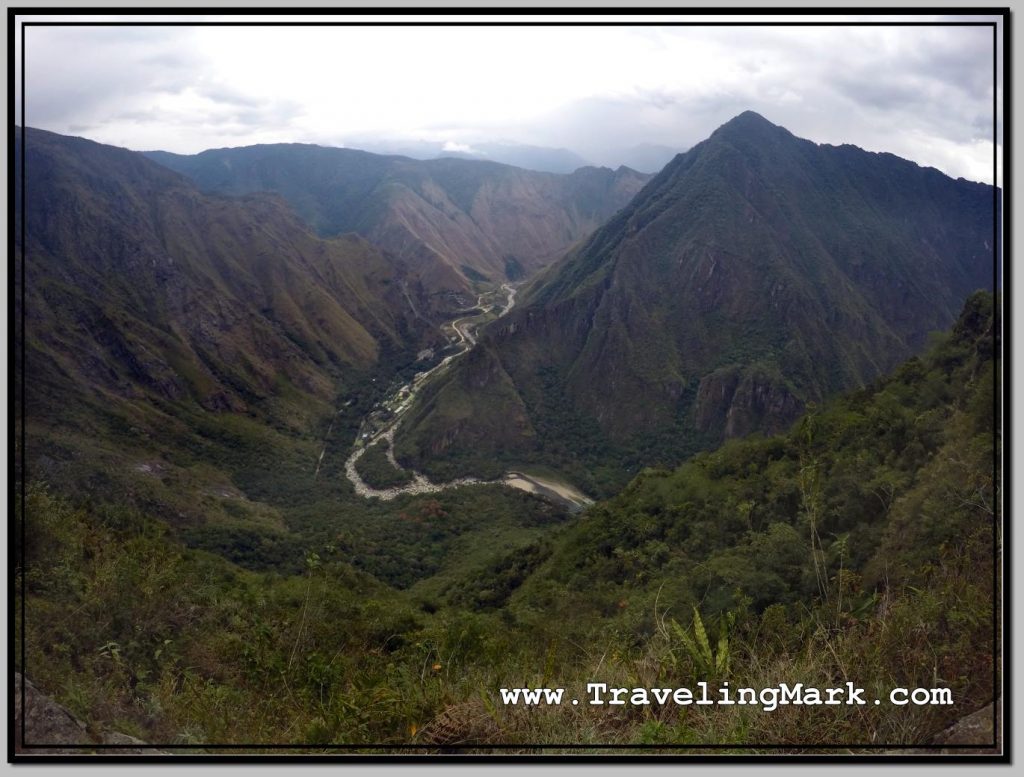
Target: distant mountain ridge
{"points": [[456, 222], [756, 273], [648, 157], [529, 157]]}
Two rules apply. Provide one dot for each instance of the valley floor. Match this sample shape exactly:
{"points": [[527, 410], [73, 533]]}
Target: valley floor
{"points": [[379, 426]]}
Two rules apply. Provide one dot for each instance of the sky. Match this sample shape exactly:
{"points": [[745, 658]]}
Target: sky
{"points": [[923, 93]]}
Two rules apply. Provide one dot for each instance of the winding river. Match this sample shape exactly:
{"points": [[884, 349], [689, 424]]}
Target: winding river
{"points": [[398, 403]]}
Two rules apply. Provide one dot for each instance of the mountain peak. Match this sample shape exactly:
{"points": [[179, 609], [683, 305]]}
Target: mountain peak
{"points": [[707, 296], [746, 122]]}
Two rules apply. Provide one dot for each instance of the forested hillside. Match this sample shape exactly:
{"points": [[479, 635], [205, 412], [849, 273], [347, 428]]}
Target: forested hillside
{"points": [[858, 546]]}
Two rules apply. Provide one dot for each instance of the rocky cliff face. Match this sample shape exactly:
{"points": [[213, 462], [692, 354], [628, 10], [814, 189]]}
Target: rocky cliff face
{"points": [[735, 401]]}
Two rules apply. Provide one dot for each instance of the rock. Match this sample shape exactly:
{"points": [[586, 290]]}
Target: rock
{"points": [[117, 738], [738, 400], [44, 722], [978, 728], [971, 735], [51, 729]]}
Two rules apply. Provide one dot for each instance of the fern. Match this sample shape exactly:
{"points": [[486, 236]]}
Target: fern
{"points": [[708, 663]]}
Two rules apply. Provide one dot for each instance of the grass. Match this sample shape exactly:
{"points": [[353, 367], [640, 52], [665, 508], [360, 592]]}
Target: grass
{"points": [[134, 632]]}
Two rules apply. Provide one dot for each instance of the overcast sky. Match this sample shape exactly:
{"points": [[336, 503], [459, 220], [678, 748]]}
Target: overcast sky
{"points": [[924, 93]]}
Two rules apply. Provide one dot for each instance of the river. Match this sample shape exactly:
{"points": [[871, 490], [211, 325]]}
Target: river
{"points": [[397, 404]]}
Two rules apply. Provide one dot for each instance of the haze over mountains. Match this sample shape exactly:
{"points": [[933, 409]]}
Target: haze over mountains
{"points": [[539, 158], [756, 273], [643, 157], [455, 223]]}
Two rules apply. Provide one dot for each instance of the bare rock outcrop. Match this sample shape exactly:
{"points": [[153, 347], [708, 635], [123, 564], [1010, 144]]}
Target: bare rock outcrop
{"points": [[978, 728], [51, 729]]}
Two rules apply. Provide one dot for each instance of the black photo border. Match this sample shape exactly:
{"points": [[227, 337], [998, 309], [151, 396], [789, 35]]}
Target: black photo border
{"points": [[370, 752]]}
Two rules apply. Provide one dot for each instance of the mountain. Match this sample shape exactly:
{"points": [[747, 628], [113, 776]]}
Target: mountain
{"points": [[901, 469], [755, 274], [646, 157], [161, 321], [455, 222], [143, 284], [540, 158], [202, 585]]}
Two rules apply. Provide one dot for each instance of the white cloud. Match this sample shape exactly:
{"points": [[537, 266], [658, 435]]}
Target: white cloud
{"points": [[462, 148], [920, 92]]}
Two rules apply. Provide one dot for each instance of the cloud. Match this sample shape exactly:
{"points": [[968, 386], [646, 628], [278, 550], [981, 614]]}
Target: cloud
{"points": [[225, 95], [71, 71], [461, 148], [920, 92]]}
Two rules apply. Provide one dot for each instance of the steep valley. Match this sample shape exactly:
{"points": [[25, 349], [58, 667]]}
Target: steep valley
{"points": [[313, 439], [208, 360]]}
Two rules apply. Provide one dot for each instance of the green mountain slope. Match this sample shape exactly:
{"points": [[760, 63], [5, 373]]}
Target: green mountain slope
{"points": [[161, 321], [455, 222], [876, 480], [756, 273], [859, 547]]}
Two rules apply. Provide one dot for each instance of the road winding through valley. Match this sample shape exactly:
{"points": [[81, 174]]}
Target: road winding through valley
{"points": [[375, 431]]}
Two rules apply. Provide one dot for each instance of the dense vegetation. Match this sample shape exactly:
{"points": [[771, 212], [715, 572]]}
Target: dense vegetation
{"points": [[861, 545], [378, 472]]}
